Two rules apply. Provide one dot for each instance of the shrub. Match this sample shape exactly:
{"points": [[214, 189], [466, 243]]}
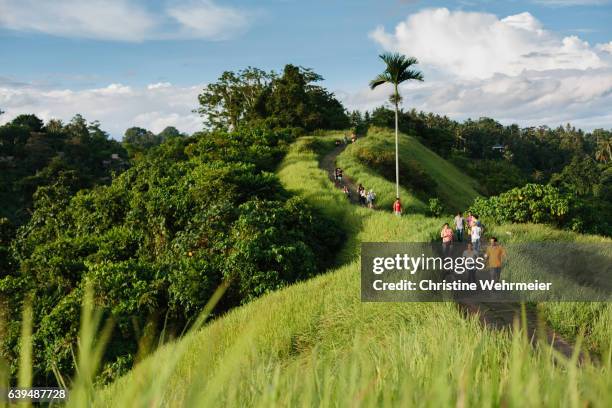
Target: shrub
{"points": [[435, 207], [532, 203]]}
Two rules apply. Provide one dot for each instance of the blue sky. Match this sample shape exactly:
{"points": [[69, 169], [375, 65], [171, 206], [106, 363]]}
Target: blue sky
{"points": [[129, 62]]}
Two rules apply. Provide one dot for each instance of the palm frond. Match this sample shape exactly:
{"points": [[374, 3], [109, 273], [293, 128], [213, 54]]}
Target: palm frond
{"points": [[381, 79]]}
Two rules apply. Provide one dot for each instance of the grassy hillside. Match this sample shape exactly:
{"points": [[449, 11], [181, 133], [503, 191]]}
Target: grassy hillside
{"points": [[455, 189], [316, 344]]}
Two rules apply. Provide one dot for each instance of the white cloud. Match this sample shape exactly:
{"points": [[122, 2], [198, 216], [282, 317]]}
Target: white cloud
{"points": [[531, 98], [124, 20], [159, 85], [605, 47], [116, 20], [205, 19], [478, 45], [116, 106], [512, 69]]}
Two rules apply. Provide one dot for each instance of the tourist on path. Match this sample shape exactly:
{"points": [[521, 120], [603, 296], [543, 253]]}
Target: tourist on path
{"points": [[347, 192], [495, 256], [476, 232], [397, 207], [447, 239], [471, 270], [371, 197], [459, 226]]}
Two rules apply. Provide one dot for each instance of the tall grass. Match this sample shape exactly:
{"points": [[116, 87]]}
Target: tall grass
{"points": [[316, 344]]}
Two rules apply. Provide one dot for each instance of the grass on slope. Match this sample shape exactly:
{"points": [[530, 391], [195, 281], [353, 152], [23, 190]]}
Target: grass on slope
{"points": [[455, 189], [316, 344]]}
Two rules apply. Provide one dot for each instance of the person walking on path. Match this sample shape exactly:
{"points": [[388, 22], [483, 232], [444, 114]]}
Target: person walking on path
{"points": [[397, 207], [459, 226], [468, 222], [361, 194], [495, 256], [471, 270], [371, 198], [447, 239], [363, 197], [475, 236], [346, 192]]}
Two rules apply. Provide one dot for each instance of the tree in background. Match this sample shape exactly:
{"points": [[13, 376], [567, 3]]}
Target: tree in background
{"points": [[397, 71], [603, 152], [137, 141], [279, 101], [225, 103], [33, 154]]}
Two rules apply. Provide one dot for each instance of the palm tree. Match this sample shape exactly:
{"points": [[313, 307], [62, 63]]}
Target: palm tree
{"points": [[397, 71], [604, 150]]}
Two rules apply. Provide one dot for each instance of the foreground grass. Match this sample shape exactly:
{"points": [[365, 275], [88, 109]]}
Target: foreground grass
{"points": [[316, 344]]}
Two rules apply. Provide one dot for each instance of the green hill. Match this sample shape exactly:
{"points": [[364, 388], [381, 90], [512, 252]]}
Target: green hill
{"points": [[316, 344], [422, 168]]}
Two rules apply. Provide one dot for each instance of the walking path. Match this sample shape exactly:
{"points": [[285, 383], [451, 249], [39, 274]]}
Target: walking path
{"points": [[328, 163], [494, 315]]}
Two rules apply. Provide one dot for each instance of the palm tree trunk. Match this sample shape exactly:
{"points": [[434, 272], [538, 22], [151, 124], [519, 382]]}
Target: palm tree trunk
{"points": [[396, 148]]}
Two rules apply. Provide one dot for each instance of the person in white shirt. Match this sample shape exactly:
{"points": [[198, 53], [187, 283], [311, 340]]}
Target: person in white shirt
{"points": [[476, 232], [459, 226]]}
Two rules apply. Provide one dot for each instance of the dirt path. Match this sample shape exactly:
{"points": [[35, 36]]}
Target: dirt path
{"points": [[328, 163], [496, 316], [502, 315]]}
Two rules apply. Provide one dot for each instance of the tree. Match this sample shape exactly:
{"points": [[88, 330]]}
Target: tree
{"points": [[289, 100], [32, 122], [603, 152], [168, 132], [397, 71], [137, 140], [225, 103]]}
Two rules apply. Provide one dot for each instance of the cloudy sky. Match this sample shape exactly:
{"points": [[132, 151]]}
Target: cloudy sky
{"points": [[142, 63]]}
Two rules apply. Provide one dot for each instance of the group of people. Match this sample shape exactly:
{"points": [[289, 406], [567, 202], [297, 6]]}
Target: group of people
{"points": [[366, 198], [494, 253], [345, 139], [471, 223]]}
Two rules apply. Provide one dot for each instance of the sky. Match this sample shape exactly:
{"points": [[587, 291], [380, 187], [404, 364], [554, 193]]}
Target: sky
{"points": [[142, 63]]}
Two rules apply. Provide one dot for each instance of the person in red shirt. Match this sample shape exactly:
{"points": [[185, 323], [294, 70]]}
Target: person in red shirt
{"points": [[397, 207]]}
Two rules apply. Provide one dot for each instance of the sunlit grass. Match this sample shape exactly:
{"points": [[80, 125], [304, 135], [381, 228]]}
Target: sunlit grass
{"points": [[316, 344], [456, 190]]}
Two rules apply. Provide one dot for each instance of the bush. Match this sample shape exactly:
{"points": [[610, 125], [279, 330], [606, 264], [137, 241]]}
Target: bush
{"points": [[435, 207], [532, 203]]}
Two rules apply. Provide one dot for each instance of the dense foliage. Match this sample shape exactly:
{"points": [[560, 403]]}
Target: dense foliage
{"points": [[157, 242], [137, 140], [280, 101], [537, 203], [532, 203], [33, 155]]}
